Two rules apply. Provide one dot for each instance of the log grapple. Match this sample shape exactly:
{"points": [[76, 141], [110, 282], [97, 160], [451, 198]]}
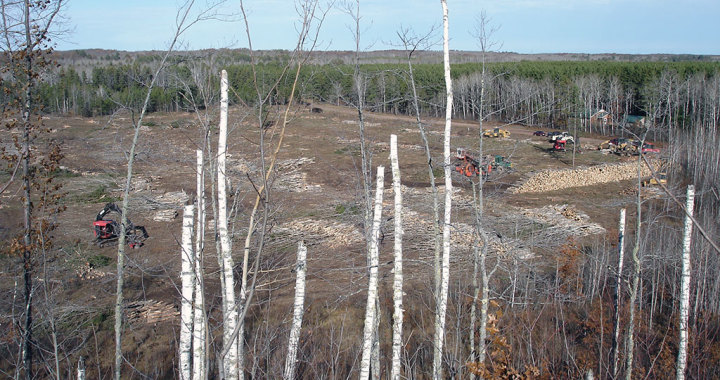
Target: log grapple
{"points": [[107, 231]]}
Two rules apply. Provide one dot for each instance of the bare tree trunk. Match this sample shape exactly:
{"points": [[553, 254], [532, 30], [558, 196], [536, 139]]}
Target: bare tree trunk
{"points": [[81, 369], [307, 9], [482, 292], [685, 286], [441, 308], [410, 46], [27, 338], [616, 301], [199, 319], [375, 353], [182, 21], [187, 274], [370, 308], [230, 362], [630, 339], [483, 33], [298, 309], [397, 343]]}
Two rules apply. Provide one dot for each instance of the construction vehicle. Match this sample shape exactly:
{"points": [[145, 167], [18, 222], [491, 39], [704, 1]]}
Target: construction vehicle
{"points": [[558, 145], [568, 138], [469, 166], [107, 231], [496, 132], [613, 142], [646, 147], [501, 163], [624, 147], [652, 181]]}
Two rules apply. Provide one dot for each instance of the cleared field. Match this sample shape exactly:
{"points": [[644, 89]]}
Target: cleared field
{"points": [[316, 198]]}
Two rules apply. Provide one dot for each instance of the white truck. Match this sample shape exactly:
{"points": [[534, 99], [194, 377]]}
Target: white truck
{"points": [[562, 136]]}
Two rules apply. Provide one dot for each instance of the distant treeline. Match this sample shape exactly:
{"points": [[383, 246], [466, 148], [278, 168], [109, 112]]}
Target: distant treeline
{"points": [[533, 93]]}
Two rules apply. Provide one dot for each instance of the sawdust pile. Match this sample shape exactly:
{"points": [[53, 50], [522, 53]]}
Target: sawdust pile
{"points": [[549, 180]]}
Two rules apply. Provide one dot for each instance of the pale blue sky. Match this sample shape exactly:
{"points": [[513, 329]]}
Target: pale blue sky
{"points": [[525, 26]]}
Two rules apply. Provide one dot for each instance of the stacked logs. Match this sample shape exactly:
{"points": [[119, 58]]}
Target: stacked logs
{"points": [[151, 312]]}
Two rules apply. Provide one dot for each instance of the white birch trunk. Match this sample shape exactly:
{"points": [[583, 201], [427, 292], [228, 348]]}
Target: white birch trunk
{"points": [[375, 352], [630, 337], [370, 308], [685, 286], [187, 275], [618, 292], [298, 309], [199, 323], [230, 362], [81, 369], [397, 343], [444, 280]]}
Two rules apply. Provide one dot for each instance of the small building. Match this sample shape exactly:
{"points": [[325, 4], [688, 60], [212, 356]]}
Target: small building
{"points": [[635, 120], [597, 116]]}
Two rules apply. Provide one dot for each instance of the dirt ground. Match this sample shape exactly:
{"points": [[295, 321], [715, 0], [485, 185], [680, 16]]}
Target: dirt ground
{"points": [[315, 198]]}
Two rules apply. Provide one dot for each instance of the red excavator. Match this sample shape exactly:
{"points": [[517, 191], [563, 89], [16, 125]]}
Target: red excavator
{"points": [[558, 145], [107, 231], [469, 166]]}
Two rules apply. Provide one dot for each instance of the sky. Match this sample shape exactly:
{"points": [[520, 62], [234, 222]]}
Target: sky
{"points": [[522, 26]]}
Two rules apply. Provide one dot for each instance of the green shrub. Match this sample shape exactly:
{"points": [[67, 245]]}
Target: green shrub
{"points": [[64, 173], [98, 261]]}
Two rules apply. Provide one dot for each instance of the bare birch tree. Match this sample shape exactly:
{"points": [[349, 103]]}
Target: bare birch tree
{"points": [[183, 21], [229, 364], [81, 369], [187, 275], [483, 34], [370, 307], [441, 308], [616, 299], [312, 17], [298, 310], [411, 44], [684, 304], [199, 341], [397, 343]]}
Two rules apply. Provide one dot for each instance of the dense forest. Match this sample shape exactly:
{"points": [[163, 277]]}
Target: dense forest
{"points": [[537, 93]]}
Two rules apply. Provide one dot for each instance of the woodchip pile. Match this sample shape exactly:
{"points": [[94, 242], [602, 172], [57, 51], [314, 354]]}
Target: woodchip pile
{"points": [[549, 180]]}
